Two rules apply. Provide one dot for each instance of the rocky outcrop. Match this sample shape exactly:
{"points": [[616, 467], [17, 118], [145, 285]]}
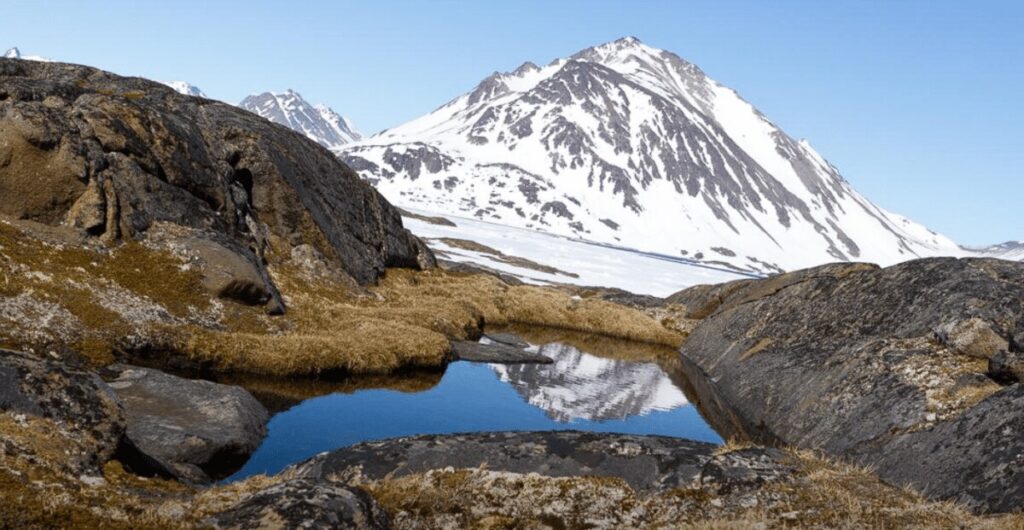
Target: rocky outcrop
{"points": [[887, 367], [303, 504], [75, 403], [195, 430], [646, 463], [121, 158]]}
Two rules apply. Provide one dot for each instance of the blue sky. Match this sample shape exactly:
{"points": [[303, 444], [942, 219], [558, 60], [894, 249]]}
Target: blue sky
{"points": [[918, 103]]}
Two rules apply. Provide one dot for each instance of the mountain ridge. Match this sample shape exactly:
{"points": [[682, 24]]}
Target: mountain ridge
{"points": [[318, 122], [627, 144]]}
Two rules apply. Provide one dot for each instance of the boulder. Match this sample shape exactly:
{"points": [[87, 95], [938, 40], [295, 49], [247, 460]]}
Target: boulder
{"points": [[879, 366], [78, 403], [303, 503], [195, 430], [116, 156], [1007, 367]]}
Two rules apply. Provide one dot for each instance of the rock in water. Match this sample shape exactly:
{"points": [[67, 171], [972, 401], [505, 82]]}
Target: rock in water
{"points": [[464, 350], [197, 430], [126, 158], [883, 366]]}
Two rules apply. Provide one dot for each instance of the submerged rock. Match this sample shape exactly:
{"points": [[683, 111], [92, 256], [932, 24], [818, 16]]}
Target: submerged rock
{"points": [[507, 339], [196, 430], [464, 350], [303, 504], [883, 366]]}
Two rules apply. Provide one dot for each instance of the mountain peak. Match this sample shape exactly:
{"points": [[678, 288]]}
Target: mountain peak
{"points": [[13, 53], [318, 122], [620, 142], [185, 88]]}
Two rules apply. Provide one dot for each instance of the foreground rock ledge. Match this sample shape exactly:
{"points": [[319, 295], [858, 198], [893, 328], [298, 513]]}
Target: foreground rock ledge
{"points": [[646, 463], [887, 367]]}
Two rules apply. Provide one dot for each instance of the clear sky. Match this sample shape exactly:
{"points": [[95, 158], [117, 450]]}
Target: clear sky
{"points": [[917, 102]]}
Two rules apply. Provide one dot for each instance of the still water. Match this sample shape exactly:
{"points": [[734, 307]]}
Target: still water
{"points": [[593, 385]]}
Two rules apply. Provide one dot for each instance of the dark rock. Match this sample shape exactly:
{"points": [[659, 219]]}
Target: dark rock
{"points": [[196, 429], [1007, 367], [647, 463], [473, 268], [846, 359], [303, 504], [79, 404], [118, 156], [464, 350], [507, 339]]}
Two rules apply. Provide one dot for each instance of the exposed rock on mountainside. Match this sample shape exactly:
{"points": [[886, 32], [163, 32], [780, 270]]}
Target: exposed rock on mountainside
{"points": [[123, 157], [887, 367], [622, 137], [317, 122]]}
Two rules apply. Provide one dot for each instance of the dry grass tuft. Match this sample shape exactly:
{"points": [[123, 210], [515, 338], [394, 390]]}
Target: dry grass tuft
{"points": [[405, 322]]}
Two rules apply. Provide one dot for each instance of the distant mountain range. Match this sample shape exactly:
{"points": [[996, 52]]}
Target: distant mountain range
{"points": [[318, 122], [631, 145], [627, 145]]}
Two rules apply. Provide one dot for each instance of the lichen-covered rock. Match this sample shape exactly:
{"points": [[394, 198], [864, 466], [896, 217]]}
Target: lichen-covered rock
{"points": [[196, 430], [884, 366], [303, 503], [646, 463], [77, 403], [114, 156]]}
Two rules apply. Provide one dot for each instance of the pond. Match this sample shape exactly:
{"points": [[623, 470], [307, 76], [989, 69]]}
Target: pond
{"points": [[594, 384]]}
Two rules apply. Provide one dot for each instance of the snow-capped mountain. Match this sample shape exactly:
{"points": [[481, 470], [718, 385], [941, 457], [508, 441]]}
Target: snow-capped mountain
{"points": [[15, 53], [318, 122], [580, 386], [630, 145], [185, 88]]}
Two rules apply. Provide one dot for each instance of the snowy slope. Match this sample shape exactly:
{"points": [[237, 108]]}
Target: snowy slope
{"points": [[630, 145], [594, 264], [185, 88], [318, 122]]}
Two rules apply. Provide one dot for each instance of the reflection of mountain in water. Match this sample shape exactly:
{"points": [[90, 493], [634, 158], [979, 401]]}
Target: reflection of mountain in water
{"points": [[582, 386]]}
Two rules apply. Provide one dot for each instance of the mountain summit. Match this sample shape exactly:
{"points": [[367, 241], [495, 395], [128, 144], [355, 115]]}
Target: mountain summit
{"points": [[318, 122], [631, 145]]}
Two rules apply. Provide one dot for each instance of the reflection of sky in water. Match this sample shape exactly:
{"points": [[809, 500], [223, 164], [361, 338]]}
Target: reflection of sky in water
{"points": [[472, 397]]}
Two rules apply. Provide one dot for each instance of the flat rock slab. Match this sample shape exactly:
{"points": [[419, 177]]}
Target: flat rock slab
{"points": [[197, 430], [495, 353], [646, 463]]}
